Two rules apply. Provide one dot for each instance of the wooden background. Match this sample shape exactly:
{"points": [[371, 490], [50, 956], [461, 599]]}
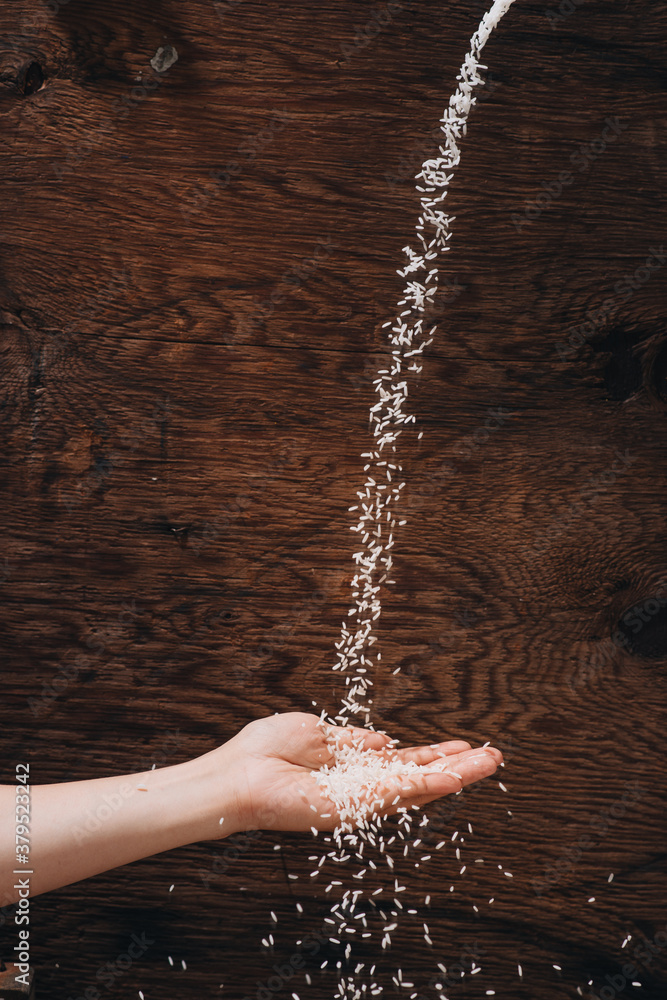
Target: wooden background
{"points": [[178, 460]]}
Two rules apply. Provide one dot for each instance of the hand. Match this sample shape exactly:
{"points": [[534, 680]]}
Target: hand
{"points": [[262, 779], [271, 761]]}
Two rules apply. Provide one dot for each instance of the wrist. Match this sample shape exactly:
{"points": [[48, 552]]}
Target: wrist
{"points": [[199, 793]]}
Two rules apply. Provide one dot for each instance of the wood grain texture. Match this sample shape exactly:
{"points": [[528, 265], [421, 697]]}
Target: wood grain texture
{"points": [[179, 456]]}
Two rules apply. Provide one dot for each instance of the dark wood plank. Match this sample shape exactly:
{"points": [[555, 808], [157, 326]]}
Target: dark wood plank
{"points": [[179, 459]]}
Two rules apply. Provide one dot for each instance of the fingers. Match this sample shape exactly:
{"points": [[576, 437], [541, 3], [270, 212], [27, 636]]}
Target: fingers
{"points": [[380, 741], [349, 735], [426, 755], [423, 787], [495, 753], [469, 761], [453, 746], [404, 791], [462, 770], [451, 751]]}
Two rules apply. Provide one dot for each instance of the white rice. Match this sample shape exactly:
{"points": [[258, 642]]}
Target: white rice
{"points": [[359, 781]]}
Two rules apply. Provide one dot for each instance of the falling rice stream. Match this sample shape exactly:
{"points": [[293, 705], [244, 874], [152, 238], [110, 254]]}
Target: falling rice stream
{"points": [[370, 906]]}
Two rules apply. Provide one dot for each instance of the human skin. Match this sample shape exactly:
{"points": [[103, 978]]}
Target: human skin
{"points": [[259, 780]]}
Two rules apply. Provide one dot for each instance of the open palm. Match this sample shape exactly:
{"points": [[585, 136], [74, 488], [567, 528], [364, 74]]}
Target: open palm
{"points": [[274, 758]]}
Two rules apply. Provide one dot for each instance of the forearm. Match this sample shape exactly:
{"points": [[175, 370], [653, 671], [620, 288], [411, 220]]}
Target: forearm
{"points": [[267, 777], [81, 828]]}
